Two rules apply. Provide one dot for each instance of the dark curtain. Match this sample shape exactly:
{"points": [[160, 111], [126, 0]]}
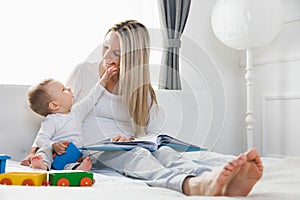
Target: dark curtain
{"points": [[173, 17]]}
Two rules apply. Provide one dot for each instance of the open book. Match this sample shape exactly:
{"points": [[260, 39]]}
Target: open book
{"points": [[161, 140]]}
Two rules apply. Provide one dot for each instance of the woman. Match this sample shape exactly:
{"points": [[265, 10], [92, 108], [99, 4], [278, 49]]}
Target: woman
{"points": [[127, 109]]}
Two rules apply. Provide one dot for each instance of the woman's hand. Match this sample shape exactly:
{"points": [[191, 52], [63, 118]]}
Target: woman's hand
{"points": [[108, 74], [120, 138], [59, 147]]}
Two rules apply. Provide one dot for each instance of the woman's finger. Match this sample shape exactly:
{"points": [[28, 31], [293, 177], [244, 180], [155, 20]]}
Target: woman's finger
{"points": [[123, 139], [117, 138]]}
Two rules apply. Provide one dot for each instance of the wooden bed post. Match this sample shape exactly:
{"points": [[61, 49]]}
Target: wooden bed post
{"points": [[249, 86]]}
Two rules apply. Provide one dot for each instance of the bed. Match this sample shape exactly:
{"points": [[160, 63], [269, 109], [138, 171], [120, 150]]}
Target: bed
{"points": [[18, 126]]}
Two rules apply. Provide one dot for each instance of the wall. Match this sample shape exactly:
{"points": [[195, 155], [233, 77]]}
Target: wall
{"points": [[204, 78], [277, 88], [276, 84]]}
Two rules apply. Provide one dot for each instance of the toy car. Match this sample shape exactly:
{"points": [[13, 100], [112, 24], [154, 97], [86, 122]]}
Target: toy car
{"points": [[20, 178], [53, 178], [24, 178], [72, 178], [69, 178]]}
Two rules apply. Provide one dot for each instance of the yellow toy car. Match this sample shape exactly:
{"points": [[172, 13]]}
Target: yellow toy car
{"points": [[62, 178], [53, 178], [24, 178]]}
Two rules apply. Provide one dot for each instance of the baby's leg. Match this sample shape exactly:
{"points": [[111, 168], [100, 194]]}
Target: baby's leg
{"points": [[85, 165], [38, 163], [42, 159]]}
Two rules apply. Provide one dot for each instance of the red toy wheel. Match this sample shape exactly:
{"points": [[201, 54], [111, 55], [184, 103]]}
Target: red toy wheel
{"points": [[6, 181], [28, 182], [86, 181], [45, 183], [63, 182]]}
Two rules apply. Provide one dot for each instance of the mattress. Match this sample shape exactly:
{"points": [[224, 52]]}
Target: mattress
{"points": [[281, 180]]}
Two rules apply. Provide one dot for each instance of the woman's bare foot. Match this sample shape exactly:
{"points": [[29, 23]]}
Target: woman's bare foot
{"points": [[250, 172], [85, 165], [38, 163], [212, 183]]}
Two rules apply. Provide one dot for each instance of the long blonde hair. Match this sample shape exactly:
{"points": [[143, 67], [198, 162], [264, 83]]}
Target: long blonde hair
{"points": [[134, 83]]}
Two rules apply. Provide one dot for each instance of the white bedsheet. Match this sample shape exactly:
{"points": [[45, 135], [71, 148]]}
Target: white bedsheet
{"points": [[281, 180]]}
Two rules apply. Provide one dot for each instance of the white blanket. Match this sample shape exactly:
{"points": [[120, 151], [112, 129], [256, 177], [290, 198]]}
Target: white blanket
{"points": [[281, 180]]}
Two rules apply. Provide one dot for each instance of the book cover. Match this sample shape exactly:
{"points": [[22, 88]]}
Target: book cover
{"points": [[161, 140]]}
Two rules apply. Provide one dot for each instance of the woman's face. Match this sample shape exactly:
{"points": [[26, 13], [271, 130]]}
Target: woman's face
{"points": [[111, 50]]}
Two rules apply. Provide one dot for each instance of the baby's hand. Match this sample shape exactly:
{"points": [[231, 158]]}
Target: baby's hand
{"points": [[59, 147]]}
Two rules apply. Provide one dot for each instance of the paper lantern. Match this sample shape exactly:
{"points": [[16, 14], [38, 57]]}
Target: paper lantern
{"points": [[247, 24], [243, 24]]}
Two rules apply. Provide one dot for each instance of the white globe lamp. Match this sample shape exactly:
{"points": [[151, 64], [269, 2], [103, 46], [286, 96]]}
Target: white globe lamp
{"points": [[244, 25]]}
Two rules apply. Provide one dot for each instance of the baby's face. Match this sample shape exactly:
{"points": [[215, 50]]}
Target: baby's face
{"points": [[62, 95]]}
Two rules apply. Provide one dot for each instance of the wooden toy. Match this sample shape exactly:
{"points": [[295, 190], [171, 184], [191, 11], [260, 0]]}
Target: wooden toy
{"points": [[24, 178], [72, 154], [75, 178], [52, 178], [62, 178], [3, 159]]}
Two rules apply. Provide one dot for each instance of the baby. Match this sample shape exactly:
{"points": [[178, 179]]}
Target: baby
{"points": [[63, 120]]}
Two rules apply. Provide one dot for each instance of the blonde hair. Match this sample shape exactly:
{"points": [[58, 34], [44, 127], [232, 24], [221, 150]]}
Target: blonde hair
{"points": [[39, 98], [134, 84]]}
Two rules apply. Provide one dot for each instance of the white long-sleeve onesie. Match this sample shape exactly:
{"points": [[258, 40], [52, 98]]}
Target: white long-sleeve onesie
{"points": [[67, 127]]}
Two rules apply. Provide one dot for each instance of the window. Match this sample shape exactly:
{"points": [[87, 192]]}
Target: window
{"points": [[41, 39]]}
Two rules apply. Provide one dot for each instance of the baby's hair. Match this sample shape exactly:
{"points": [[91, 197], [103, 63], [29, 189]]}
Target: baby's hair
{"points": [[39, 98]]}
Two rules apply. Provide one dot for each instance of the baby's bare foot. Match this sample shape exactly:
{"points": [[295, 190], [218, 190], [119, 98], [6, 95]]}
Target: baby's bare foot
{"points": [[250, 172], [212, 183], [85, 165], [37, 162]]}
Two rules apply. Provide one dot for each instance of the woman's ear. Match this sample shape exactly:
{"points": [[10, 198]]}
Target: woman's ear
{"points": [[53, 106]]}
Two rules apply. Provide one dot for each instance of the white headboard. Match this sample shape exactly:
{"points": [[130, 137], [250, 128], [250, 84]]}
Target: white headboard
{"points": [[18, 124]]}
